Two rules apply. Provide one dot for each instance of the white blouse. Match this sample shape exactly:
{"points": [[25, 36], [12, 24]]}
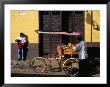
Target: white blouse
{"points": [[82, 49]]}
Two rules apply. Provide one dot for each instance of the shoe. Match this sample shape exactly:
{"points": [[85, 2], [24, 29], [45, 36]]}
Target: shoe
{"points": [[18, 60], [23, 59]]}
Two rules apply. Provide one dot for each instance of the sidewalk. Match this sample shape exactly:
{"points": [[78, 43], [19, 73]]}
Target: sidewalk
{"points": [[23, 69]]}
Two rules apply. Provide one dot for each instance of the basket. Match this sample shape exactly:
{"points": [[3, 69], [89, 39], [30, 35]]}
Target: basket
{"points": [[69, 51]]}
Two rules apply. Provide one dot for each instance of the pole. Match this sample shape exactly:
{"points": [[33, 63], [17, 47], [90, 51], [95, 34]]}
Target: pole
{"points": [[91, 25], [61, 63]]}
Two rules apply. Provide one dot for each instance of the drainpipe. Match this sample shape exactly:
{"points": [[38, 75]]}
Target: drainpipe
{"points": [[91, 24]]}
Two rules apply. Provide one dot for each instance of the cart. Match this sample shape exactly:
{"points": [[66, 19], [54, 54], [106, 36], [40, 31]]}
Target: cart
{"points": [[70, 66]]}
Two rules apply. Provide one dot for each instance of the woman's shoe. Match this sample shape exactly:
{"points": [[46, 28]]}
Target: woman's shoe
{"points": [[18, 60]]}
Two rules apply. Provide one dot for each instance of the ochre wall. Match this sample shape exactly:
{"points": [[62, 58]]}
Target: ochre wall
{"points": [[30, 21], [27, 22], [95, 33]]}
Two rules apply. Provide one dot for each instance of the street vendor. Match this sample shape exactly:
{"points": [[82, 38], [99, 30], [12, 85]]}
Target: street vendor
{"points": [[81, 48], [82, 54]]}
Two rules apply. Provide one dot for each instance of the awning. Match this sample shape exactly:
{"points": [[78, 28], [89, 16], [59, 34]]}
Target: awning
{"points": [[58, 33]]}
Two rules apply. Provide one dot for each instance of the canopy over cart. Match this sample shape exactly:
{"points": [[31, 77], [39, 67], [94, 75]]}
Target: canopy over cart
{"points": [[68, 50]]}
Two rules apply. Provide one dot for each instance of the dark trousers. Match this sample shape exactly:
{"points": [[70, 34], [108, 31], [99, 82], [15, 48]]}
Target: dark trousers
{"points": [[83, 68]]}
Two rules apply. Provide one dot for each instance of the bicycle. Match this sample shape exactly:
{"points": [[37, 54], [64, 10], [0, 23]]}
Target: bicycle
{"points": [[69, 66]]}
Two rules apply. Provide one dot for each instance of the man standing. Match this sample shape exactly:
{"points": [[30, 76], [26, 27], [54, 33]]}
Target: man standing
{"points": [[21, 42], [83, 57]]}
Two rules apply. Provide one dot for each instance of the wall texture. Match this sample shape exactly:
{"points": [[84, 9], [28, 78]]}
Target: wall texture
{"points": [[92, 17], [32, 52], [26, 22]]}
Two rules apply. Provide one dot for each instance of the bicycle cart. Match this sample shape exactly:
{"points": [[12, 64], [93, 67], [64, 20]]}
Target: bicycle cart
{"points": [[70, 66]]}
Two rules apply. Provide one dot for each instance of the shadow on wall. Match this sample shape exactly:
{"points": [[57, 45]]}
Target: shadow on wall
{"points": [[93, 52], [89, 20]]}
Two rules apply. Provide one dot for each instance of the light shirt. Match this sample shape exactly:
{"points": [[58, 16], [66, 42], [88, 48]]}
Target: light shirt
{"points": [[22, 39], [82, 50]]}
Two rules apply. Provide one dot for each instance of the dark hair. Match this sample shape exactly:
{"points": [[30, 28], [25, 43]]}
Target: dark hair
{"points": [[21, 34], [79, 38]]}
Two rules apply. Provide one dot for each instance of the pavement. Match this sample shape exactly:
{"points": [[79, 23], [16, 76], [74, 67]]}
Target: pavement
{"points": [[23, 69]]}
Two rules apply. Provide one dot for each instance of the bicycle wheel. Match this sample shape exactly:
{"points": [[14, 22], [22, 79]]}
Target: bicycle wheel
{"points": [[71, 67], [39, 64]]}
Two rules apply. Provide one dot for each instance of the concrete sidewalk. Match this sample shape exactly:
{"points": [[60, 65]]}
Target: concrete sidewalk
{"points": [[23, 69]]}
